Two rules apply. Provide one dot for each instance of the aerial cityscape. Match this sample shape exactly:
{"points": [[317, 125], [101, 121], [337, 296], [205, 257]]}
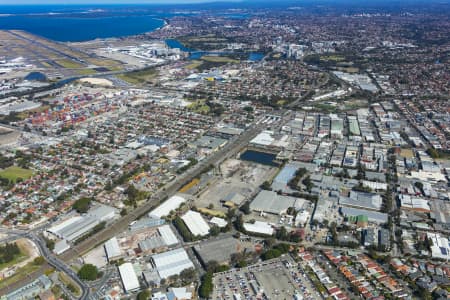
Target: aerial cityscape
{"points": [[238, 150]]}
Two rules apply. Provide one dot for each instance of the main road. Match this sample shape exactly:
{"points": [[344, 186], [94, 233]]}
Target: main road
{"points": [[59, 265], [233, 147]]}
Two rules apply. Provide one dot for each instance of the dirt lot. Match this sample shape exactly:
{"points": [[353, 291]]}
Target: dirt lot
{"points": [[237, 177]]}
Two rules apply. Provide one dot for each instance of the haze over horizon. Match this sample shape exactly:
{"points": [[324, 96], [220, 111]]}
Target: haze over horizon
{"points": [[159, 2], [70, 2]]}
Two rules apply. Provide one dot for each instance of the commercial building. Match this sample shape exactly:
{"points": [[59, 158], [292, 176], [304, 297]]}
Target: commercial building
{"points": [[167, 235], [259, 227], [31, 290], [219, 250], [112, 249], [77, 226], [280, 183], [271, 202], [372, 216], [414, 204], [195, 223], [145, 223], [165, 238], [369, 201], [129, 278], [166, 207], [440, 246], [174, 294], [221, 223], [171, 262]]}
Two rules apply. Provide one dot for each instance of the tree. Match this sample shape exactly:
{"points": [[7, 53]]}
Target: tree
{"points": [[418, 185], [245, 208], [214, 230], [212, 265], [248, 109], [282, 234], [269, 254], [308, 183], [231, 213], [40, 260], [50, 244], [187, 276], [239, 224], [8, 252], [88, 272], [143, 295], [206, 285], [183, 230], [433, 153], [266, 186], [82, 205]]}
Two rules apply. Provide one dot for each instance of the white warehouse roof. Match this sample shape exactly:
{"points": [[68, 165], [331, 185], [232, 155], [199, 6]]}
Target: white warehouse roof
{"points": [[259, 227], [219, 222], [112, 248], [172, 262], [195, 223], [167, 235], [166, 207], [129, 278]]}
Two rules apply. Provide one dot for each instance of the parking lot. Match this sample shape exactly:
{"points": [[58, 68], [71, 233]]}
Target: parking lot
{"points": [[276, 279]]}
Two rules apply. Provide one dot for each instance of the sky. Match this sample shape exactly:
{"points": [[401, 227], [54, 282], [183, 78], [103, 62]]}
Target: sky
{"points": [[64, 2]]}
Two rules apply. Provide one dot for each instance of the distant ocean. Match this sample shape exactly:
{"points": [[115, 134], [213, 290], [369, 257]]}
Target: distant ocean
{"points": [[79, 23]]}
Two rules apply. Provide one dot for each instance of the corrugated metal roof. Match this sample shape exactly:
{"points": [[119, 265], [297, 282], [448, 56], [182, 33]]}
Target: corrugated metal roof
{"points": [[172, 262], [129, 278], [195, 222], [167, 235], [165, 208]]}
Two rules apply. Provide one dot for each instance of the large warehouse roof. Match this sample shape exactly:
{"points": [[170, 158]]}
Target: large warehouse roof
{"points": [[271, 202], [259, 227], [74, 227], [112, 248], [166, 207], [195, 222], [129, 278], [372, 216], [172, 262], [286, 174], [219, 250], [167, 235]]}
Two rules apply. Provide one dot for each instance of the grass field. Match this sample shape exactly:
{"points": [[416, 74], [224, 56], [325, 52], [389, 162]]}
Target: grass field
{"points": [[19, 275], [86, 71], [24, 114], [46, 64], [103, 62], [68, 281], [336, 58], [199, 107], [69, 64], [19, 258], [219, 59], [14, 172], [139, 77], [194, 64], [211, 212], [190, 185]]}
